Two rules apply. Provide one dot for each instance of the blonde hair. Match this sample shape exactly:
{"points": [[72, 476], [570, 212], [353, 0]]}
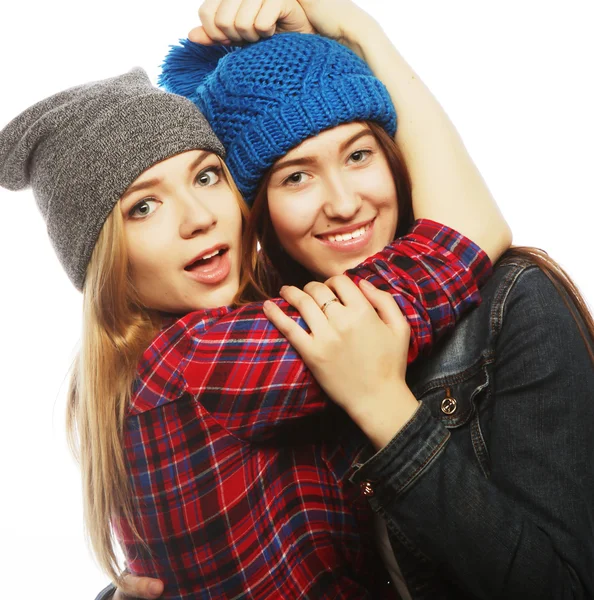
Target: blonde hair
{"points": [[116, 331]]}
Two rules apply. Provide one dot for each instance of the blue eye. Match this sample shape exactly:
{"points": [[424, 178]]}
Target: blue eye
{"points": [[142, 209], [208, 177]]}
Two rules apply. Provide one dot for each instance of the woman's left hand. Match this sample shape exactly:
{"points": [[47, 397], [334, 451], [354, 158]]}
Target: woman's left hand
{"points": [[357, 350]]}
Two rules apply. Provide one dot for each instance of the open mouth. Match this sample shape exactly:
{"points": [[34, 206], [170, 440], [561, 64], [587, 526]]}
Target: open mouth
{"points": [[207, 259]]}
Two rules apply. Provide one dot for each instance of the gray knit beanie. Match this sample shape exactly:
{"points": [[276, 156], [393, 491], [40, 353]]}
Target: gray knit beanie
{"points": [[80, 150]]}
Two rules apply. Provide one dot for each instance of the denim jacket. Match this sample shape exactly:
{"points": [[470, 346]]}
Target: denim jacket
{"points": [[488, 492]]}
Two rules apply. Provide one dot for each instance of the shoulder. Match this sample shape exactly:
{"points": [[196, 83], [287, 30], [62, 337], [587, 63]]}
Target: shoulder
{"points": [[531, 291], [537, 328], [519, 303], [159, 378]]}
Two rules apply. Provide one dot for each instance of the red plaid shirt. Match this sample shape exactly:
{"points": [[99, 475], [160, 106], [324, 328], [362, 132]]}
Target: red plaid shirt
{"points": [[239, 463]]}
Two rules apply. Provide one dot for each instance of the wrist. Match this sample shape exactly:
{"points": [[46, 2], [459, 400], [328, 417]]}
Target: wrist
{"points": [[382, 417], [358, 29]]}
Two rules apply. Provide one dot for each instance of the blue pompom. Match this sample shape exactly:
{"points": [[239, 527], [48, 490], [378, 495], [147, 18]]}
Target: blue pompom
{"points": [[186, 66]]}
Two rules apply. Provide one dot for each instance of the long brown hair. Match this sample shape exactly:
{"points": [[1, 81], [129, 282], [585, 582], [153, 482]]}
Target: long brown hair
{"points": [[274, 267], [116, 331]]}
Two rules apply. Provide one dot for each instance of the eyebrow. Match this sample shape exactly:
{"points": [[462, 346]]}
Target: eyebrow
{"points": [[143, 185], [308, 160]]}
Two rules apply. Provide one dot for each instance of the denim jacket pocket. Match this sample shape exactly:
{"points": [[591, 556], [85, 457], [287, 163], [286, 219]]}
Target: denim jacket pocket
{"points": [[455, 401]]}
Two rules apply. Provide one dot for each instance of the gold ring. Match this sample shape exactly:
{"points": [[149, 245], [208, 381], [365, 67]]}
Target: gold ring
{"points": [[328, 303]]}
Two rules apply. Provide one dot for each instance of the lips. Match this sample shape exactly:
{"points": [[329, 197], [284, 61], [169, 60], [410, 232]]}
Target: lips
{"points": [[349, 239], [204, 257], [347, 235], [211, 267]]}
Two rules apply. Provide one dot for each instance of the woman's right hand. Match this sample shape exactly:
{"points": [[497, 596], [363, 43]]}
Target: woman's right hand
{"points": [[139, 587]]}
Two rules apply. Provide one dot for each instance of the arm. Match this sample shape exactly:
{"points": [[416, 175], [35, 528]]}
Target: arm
{"points": [[241, 365], [526, 529], [447, 186]]}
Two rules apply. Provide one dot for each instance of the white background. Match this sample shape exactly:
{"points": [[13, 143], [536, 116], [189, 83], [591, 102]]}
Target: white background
{"points": [[515, 77]]}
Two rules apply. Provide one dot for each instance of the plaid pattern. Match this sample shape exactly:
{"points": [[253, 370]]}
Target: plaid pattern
{"points": [[239, 463]]}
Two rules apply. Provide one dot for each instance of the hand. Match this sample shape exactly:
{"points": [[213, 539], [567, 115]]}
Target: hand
{"points": [[356, 349], [237, 21], [139, 587], [341, 20]]}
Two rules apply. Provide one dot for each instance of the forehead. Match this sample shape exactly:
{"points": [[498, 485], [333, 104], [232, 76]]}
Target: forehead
{"points": [[328, 139], [181, 161]]}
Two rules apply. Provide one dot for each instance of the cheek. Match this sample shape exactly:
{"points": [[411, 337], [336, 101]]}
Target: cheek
{"points": [[380, 189], [228, 212], [377, 184], [292, 216], [146, 255]]}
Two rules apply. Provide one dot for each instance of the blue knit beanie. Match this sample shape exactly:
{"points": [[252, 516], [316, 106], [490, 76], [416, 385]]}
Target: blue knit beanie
{"points": [[263, 99]]}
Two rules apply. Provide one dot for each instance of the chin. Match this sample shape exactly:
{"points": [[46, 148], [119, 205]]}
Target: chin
{"points": [[223, 296]]}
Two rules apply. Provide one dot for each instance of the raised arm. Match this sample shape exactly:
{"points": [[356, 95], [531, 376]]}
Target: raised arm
{"points": [[447, 186]]}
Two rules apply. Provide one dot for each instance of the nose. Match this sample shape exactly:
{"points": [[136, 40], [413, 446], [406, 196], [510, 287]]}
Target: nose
{"points": [[196, 216], [342, 201]]}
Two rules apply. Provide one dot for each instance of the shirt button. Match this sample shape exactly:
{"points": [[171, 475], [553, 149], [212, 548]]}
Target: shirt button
{"points": [[449, 406], [367, 488]]}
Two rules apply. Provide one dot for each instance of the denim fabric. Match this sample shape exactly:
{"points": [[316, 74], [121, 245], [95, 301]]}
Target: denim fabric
{"points": [[496, 499], [106, 593]]}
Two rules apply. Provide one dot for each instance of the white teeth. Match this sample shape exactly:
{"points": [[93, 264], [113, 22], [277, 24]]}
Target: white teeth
{"points": [[343, 237], [207, 256]]}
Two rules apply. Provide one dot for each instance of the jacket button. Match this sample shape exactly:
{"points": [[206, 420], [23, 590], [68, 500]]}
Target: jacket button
{"points": [[367, 488], [449, 406]]}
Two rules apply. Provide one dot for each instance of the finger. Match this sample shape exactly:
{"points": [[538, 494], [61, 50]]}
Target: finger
{"points": [[140, 587], [293, 17], [198, 35], [385, 306], [292, 331], [281, 15], [308, 309], [207, 13], [347, 292], [268, 15], [225, 19], [246, 19], [325, 297]]}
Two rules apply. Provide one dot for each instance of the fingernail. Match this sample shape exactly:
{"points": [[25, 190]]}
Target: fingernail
{"points": [[364, 283]]}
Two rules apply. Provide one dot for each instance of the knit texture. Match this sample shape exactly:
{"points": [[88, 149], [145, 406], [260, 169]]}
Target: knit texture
{"points": [[264, 99], [79, 150]]}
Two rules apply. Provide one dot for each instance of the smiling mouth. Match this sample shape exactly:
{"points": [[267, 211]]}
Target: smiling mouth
{"points": [[206, 259], [345, 237]]}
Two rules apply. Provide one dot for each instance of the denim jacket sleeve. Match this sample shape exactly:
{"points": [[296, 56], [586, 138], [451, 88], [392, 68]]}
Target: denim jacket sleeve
{"points": [[106, 593], [524, 526]]}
